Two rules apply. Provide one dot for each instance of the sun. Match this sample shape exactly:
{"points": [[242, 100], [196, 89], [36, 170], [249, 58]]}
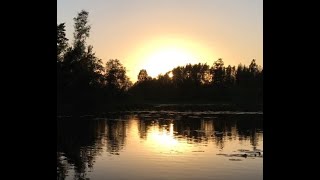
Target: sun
{"points": [[165, 59], [161, 54]]}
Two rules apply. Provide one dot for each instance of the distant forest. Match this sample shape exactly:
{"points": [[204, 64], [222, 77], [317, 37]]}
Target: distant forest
{"points": [[82, 79]]}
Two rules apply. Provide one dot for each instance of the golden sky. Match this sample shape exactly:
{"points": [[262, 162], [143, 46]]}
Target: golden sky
{"points": [[158, 35]]}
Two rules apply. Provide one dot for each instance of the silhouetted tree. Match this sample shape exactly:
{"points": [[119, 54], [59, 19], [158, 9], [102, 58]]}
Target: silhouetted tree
{"points": [[230, 76], [164, 80], [81, 27], [191, 75], [243, 76], [81, 32], [80, 72], [188, 76], [178, 76], [218, 72], [260, 79], [206, 76], [115, 76], [143, 76], [253, 67], [249, 77], [62, 42]]}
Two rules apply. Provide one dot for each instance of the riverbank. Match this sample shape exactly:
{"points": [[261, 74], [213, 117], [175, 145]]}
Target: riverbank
{"points": [[180, 107]]}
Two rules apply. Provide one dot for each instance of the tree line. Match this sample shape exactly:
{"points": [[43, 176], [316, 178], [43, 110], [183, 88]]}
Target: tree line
{"points": [[83, 79]]}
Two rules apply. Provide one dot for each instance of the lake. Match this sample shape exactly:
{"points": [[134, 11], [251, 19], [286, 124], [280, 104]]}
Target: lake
{"points": [[161, 145]]}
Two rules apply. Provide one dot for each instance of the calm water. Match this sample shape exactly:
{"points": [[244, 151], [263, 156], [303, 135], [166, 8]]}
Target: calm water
{"points": [[161, 145]]}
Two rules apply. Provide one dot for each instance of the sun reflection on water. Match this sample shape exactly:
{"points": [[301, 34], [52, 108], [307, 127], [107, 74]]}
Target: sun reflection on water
{"points": [[162, 139]]}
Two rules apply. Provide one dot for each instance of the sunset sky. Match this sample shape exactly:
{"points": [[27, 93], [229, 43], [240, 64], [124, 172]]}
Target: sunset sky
{"points": [[158, 35]]}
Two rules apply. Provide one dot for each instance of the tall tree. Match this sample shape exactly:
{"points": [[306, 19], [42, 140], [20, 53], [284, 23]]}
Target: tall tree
{"points": [[62, 41], [81, 27], [62, 45], [87, 66], [82, 71]]}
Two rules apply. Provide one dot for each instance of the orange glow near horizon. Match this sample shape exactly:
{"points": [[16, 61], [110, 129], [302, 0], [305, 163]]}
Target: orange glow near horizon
{"points": [[161, 35], [161, 55], [163, 60]]}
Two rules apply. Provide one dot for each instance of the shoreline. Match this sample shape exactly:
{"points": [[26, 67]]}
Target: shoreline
{"points": [[67, 110]]}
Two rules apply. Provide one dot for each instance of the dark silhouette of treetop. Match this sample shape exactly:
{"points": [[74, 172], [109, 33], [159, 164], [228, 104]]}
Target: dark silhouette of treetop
{"points": [[143, 75], [218, 72], [62, 41], [81, 26], [115, 76]]}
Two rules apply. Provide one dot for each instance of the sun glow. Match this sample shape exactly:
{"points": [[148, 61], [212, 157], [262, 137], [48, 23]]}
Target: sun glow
{"points": [[162, 54], [163, 60]]}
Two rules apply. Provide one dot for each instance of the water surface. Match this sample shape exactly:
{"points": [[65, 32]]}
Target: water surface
{"points": [[161, 145]]}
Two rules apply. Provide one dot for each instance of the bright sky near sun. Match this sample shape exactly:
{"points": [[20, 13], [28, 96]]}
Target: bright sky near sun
{"points": [[158, 35]]}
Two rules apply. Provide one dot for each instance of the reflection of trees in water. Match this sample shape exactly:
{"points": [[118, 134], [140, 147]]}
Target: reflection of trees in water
{"points": [[247, 129], [144, 125], [220, 126], [80, 141], [62, 166], [207, 127], [115, 134], [142, 129], [217, 129]]}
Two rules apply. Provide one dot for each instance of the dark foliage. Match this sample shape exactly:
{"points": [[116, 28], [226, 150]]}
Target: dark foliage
{"points": [[83, 82]]}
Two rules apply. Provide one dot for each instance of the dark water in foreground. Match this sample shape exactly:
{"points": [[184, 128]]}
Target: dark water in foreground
{"points": [[161, 145]]}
